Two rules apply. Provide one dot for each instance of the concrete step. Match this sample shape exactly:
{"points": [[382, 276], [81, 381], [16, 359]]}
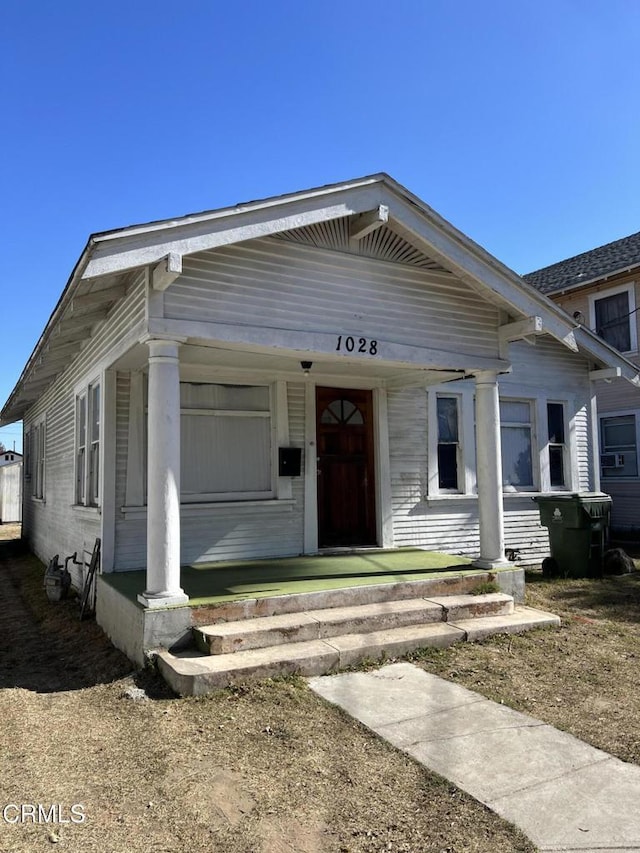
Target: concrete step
{"points": [[453, 583], [257, 633], [192, 673]]}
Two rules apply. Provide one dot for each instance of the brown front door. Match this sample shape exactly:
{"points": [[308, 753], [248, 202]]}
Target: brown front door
{"points": [[346, 488]]}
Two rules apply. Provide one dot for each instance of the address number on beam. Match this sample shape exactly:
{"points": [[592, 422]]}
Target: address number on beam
{"points": [[347, 343]]}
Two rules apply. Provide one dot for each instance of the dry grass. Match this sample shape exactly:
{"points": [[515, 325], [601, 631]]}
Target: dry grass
{"points": [[267, 768], [582, 678], [270, 767]]}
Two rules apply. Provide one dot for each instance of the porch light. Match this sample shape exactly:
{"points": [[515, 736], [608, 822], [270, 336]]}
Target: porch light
{"points": [[306, 366]]}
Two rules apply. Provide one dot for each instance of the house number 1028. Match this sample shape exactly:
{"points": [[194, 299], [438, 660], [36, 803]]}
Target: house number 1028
{"points": [[357, 345]]}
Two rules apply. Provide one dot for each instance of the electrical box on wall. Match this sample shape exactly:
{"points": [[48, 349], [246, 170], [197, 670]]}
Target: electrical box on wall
{"points": [[289, 461]]}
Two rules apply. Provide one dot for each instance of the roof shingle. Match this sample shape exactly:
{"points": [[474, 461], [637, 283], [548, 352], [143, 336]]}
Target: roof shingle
{"points": [[588, 266]]}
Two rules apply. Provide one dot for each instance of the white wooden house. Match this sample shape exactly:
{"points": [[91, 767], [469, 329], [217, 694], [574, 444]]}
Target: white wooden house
{"points": [[8, 457], [427, 389], [11, 489], [601, 290]]}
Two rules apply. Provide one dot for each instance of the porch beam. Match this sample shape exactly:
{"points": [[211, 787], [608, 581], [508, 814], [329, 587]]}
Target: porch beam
{"points": [[605, 373], [167, 271], [366, 223], [425, 378], [316, 345]]}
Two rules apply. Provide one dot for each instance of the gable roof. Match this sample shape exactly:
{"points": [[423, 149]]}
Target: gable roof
{"points": [[606, 261], [100, 276]]}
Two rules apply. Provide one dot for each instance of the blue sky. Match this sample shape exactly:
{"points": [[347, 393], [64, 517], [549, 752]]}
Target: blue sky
{"points": [[518, 121]]}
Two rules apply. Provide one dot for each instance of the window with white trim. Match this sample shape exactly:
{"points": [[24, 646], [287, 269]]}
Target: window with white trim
{"points": [[35, 463], [448, 443], [516, 433], [87, 467], [613, 317], [557, 447], [226, 444], [619, 446]]}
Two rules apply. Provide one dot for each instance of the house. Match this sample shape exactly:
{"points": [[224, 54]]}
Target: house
{"points": [[599, 288], [9, 456], [338, 367], [11, 488]]}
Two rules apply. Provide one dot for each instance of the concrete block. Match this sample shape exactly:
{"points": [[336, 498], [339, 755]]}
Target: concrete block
{"points": [[470, 606], [354, 648], [522, 619]]}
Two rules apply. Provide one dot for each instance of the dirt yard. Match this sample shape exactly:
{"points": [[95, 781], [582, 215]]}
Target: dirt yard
{"points": [[270, 768]]}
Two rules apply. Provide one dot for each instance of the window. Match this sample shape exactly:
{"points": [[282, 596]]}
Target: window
{"points": [[225, 442], [448, 443], [36, 445], [613, 317], [516, 437], [619, 446], [557, 447], [88, 407]]}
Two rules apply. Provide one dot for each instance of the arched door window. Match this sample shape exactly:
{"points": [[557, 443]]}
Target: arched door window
{"points": [[342, 413]]}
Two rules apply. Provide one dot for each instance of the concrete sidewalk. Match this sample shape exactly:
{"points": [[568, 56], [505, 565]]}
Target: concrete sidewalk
{"points": [[561, 792]]}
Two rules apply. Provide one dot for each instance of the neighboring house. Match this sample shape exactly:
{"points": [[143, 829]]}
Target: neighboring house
{"points": [[334, 367], [11, 489], [599, 289], [9, 456]]}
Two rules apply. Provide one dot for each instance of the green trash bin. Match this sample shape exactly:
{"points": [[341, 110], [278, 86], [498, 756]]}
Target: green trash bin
{"points": [[578, 527]]}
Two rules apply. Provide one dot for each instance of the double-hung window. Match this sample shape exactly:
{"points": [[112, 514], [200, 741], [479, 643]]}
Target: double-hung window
{"points": [[613, 317], [448, 444], [225, 442], [619, 446], [516, 434], [88, 409], [557, 445]]}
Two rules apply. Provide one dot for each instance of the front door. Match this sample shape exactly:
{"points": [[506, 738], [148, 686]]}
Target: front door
{"points": [[346, 488]]}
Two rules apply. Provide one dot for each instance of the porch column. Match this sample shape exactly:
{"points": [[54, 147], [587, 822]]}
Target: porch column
{"points": [[163, 477], [489, 471]]}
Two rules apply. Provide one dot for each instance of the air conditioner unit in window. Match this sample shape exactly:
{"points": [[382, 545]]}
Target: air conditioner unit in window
{"points": [[612, 460]]}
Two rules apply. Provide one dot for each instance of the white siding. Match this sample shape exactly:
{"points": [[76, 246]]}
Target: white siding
{"points": [[53, 526], [450, 524], [274, 284]]}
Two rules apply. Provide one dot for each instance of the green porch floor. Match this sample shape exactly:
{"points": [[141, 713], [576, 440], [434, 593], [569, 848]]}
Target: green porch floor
{"points": [[208, 583]]}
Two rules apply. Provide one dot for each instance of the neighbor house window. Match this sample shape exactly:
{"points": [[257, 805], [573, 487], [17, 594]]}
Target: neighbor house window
{"points": [[225, 442], [88, 409], [614, 319], [619, 446], [557, 446], [516, 437], [448, 443]]}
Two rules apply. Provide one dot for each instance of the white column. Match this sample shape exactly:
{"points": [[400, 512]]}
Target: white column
{"points": [[163, 477], [489, 471]]}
